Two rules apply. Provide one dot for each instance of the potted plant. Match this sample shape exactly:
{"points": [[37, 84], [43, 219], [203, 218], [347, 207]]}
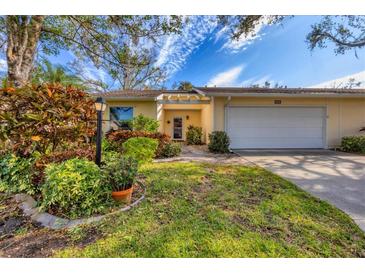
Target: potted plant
{"points": [[120, 173]]}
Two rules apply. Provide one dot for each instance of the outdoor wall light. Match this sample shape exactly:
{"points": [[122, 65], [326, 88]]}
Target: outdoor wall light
{"points": [[187, 117], [168, 122], [100, 106]]}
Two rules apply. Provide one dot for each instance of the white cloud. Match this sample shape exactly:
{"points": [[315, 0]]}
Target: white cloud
{"points": [[93, 73], [260, 81], [235, 46], [222, 33], [175, 49], [226, 78], [343, 81], [247, 82], [3, 65]]}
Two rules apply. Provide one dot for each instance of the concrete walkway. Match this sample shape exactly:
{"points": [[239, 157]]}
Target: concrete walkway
{"points": [[336, 177], [202, 154]]}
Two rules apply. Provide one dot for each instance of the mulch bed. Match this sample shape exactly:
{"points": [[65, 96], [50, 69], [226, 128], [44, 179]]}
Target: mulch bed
{"points": [[19, 237]]}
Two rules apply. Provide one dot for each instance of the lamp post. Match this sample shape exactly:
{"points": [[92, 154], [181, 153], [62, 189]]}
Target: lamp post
{"points": [[100, 107]]}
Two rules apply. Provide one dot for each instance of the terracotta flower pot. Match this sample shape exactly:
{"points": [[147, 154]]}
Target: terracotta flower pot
{"points": [[123, 196]]}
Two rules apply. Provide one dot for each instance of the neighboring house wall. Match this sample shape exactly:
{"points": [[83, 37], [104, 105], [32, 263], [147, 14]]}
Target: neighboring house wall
{"points": [[345, 116], [147, 108]]}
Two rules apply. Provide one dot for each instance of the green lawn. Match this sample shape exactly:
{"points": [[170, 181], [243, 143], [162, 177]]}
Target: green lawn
{"points": [[204, 210]]}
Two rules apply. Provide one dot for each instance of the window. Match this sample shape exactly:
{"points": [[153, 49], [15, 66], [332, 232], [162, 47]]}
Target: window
{"points": [[123, 115]]}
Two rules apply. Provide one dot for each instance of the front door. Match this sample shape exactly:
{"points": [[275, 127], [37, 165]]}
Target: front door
{"points": [[178, 128]]}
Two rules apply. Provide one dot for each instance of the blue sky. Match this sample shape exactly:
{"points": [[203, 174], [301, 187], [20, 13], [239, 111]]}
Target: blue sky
{"points": [[204, 54], [277, 54]]}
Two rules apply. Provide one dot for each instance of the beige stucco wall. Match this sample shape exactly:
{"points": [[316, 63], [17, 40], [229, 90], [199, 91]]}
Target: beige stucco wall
{"points": [[199, 114], [147, 108], [194, 119], [345, 116], [207, 121], [160, 117]]}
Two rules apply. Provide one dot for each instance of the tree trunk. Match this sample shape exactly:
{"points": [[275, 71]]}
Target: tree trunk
{"points": [[23, 35]]}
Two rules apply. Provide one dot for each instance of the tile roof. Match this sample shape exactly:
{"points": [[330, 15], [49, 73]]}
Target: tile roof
{"points": [[138, 93], [235, 90], [216, 91], [129, 93]]}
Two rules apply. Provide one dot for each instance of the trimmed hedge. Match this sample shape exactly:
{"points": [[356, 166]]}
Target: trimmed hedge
{"points": [[353, 144], [75, 188], [218, 142], [144, 123], [194, 135], [120, 136], [142, 149], [171, 150]]}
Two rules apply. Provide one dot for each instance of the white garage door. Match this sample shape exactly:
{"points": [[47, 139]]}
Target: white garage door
{"points": [[275, 127]]}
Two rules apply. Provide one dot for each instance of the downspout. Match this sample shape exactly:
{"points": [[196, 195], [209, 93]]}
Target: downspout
{"points": [[226, 116], [229, 98], [226, 104]]}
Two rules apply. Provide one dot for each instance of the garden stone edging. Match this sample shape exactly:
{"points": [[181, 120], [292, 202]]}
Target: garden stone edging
{"points": [[29, 207]]}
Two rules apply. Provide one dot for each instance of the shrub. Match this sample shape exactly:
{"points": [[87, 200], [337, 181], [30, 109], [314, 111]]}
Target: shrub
{"points": [[353, 144], [194, 135], [107, 145], [218, 142], [61, 156], [141, 148], [120, 172], [16, 174], [118, 137], [40, 118], [171, 150], [75, 188], [144, 123]]}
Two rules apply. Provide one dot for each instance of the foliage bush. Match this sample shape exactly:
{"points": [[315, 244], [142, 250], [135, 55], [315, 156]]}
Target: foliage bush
{"points": [[16, 174], [107, 145], [353, 144], [74, 187], [40, 118], [143, 149], [218, 142], [86, 152], [120, 172], [118, 137], [144, 123], [171, 150], [194, 135]]}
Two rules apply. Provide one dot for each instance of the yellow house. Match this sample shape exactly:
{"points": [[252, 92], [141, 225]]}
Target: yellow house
{"points": [[254, 118]]}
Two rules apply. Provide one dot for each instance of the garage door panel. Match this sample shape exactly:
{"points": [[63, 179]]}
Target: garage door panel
{"points": [[277, 143], [294, 122], [274, 133], [275, 127], [252, 112]]}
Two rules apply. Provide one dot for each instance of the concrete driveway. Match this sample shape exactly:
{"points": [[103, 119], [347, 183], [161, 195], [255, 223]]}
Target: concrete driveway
{"points": [[338, 178]]}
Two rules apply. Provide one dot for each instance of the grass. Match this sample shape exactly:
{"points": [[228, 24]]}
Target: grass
{"points": [[204, 210]]}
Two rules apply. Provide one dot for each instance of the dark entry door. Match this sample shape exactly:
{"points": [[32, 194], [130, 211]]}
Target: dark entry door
{"points": [[178, 128]]}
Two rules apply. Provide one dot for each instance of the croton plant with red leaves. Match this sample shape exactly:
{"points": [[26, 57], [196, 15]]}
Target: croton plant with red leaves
{"points": [[41, 118]]}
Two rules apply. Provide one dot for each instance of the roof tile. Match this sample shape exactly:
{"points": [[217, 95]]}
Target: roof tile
{"points": [[236, 90]]}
